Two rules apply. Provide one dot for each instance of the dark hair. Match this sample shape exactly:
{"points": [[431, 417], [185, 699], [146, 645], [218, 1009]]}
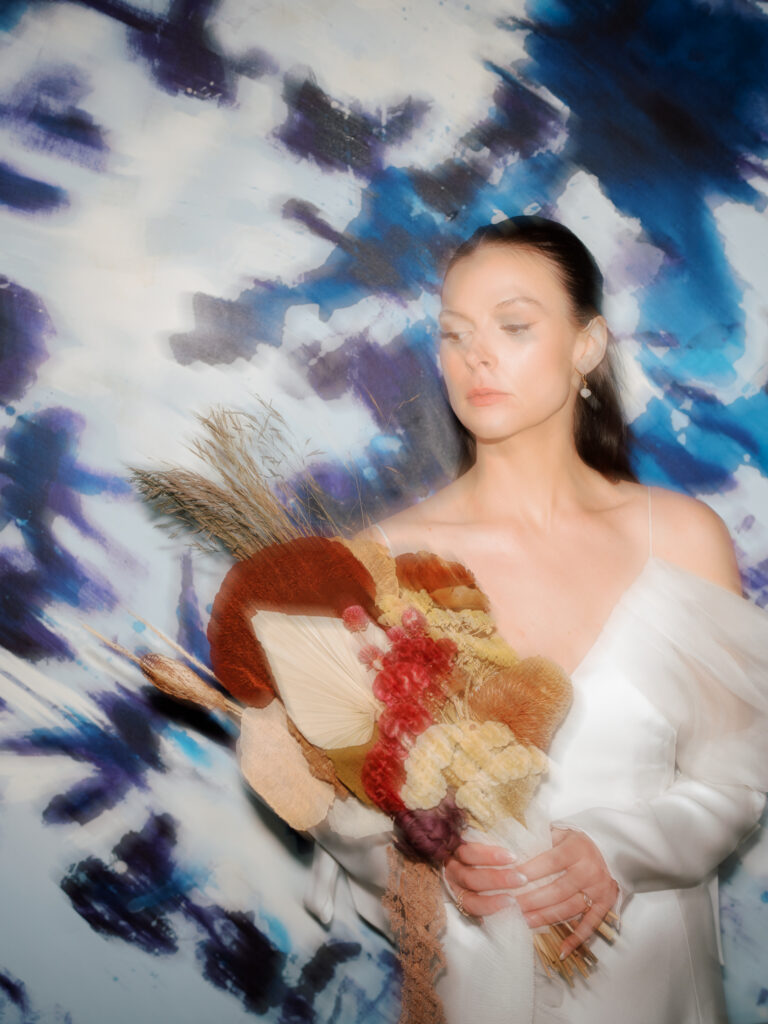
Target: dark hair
{"points": [[600, 431]]}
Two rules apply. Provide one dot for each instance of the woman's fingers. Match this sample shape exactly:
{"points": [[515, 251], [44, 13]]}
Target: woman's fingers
{"points": [[481, 854], [478, 905], [480, 879], [582, 890], [589, 923]]}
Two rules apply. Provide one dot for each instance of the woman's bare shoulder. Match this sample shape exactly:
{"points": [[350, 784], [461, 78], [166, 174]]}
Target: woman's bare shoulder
{"points": [[416, 522], [689, 533]]}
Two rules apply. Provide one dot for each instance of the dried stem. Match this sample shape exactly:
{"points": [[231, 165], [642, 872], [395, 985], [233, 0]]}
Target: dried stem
{"points": [[177, 647]]}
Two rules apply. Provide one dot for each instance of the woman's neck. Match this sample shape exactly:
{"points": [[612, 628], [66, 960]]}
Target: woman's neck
{"points": [[525, 481]]}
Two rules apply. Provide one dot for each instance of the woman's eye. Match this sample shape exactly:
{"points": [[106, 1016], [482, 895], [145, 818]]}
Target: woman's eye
{"points": [[452, 335], [514, 328]]}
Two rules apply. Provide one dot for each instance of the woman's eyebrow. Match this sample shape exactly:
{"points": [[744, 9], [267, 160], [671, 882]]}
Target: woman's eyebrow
{"points": [[517, 298], [499, 305]]}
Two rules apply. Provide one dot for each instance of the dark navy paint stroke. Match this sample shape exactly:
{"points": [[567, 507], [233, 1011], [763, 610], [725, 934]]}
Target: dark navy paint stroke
{"points": [[236, 956], [41, 478], [188, 716], [15, 991], [113, 902], [520, 120], [181, 54], [340, 137], [319, 970], [24, 330], [43, 110], [27, 195], [121, 754]]}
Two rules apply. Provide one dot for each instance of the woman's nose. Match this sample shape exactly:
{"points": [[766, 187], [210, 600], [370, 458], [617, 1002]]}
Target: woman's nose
{"points": [[479, 351]]}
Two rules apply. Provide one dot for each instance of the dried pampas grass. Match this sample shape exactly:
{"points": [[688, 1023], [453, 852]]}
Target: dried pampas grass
{"points": [[244, 501]]}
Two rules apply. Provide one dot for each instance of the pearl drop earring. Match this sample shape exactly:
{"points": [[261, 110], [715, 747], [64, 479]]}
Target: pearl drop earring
{"points": [[585, 392]]}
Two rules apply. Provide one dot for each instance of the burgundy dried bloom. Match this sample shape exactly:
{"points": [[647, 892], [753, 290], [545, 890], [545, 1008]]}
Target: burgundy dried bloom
{"points": [[430, 835]]}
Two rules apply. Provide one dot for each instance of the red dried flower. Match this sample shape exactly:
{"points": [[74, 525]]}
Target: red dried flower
{"points": [[355, 618], [369, 655], [437, 657], [413, 621], [403, 720], [400, 681], [383, 776]]}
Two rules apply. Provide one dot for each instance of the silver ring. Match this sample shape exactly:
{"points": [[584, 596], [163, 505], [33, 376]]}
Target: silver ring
{"points": [[587, 900]]}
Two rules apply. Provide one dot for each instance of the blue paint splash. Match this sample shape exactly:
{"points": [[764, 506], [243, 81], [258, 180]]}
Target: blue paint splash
{"points": [[41, 478], [672, 139], [11, 13], [24, 330], [120, 753]]}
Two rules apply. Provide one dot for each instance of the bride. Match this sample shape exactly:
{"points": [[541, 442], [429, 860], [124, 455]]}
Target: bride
{"points": [[635, 591]]}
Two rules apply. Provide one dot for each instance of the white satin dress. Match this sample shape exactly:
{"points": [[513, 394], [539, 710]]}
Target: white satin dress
{"points": [[662, 761]]}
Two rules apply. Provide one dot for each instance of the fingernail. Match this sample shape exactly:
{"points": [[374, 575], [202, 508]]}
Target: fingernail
{"points": [[563, 956], [519, 878], [505, 858]]}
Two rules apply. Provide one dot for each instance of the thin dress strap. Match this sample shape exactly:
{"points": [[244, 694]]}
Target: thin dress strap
{"points": [[650, 526], [386, 538]]}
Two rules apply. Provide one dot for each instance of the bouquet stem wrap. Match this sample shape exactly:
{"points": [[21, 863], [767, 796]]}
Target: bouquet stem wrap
{"points": [[491, 966]]}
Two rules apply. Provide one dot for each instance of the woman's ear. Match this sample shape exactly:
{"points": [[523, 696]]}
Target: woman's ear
{"points": [[590, 348]]}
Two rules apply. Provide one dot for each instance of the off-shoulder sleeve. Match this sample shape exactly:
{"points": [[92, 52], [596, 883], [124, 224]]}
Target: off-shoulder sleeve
{"points": [[706, 670], [701, 659]]}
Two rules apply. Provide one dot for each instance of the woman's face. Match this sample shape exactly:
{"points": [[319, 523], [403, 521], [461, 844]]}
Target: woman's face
{"points": [[509, 345]]}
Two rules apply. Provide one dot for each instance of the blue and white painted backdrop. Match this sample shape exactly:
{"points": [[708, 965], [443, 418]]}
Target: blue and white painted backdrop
{"points": [[204, 202]]}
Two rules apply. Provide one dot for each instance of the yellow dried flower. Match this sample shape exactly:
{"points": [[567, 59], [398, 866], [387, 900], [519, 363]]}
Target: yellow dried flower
{"points": [[463, 767], [514, 762], [473, 797]]}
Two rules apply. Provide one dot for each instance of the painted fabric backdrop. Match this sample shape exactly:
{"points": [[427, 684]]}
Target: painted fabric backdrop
{"points": [[204, 203]]}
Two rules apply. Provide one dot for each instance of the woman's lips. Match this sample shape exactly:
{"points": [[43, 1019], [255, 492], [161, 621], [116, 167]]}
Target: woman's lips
{"points": [[485, 396]]}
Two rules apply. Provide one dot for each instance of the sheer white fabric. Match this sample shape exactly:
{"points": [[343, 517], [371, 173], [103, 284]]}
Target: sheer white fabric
{"points": [[661, 760]]}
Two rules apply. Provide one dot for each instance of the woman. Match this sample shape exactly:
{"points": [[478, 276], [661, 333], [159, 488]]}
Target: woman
{"points": [[636, 593]]}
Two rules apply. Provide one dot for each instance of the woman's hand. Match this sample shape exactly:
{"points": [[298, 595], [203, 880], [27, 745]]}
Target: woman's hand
{"points": [[583, 885]]}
